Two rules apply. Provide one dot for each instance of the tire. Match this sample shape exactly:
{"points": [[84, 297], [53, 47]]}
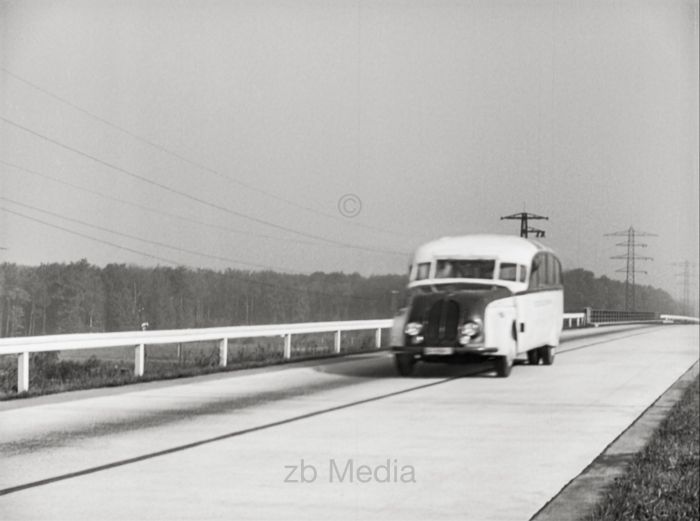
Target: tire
{"points": [[533, 357], [503, 366], [404, 363], [547, 355]]}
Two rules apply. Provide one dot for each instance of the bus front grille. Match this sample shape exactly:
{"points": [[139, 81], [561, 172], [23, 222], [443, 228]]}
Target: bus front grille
{"points": [[443, 321]]}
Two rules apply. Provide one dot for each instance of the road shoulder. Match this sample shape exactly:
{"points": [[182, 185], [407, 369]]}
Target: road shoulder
{"points": [[580, 496]]}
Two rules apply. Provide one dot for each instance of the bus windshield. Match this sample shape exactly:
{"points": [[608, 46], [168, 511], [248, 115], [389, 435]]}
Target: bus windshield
{"points": [[443, 287], [465, 269]]}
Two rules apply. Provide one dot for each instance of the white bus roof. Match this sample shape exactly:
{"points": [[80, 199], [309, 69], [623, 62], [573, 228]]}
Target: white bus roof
{"points": [[508, 248]]}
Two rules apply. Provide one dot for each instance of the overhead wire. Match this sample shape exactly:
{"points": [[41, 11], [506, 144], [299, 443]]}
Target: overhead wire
{"points": [[189, 196], [177, 263], [192, 162], [171, 215], [147, 241]]}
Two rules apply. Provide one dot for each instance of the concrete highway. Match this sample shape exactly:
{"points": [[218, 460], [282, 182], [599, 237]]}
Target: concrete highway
{"points": [[338, 438]]}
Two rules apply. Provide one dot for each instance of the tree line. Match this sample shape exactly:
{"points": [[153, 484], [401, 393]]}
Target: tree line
{"points": [[80, 297], [583, 289]]}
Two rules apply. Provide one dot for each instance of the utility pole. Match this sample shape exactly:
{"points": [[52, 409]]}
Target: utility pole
{"points": [[523, 217], [630, 257], [688, 274]]}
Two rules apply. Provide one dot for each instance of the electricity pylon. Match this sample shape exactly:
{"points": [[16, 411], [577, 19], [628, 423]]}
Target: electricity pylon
{"points": [[523, 217], [687, 275], [631, 258]]}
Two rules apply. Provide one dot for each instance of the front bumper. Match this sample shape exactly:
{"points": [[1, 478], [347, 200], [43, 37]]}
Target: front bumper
{"points": [[456, 351]]}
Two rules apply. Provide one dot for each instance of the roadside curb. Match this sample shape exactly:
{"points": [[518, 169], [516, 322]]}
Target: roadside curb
{"points": [[578, 497]]}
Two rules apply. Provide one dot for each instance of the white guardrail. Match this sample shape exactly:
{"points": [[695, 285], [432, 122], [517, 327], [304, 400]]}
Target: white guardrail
{"points": [[23, 346], [679, 319]]}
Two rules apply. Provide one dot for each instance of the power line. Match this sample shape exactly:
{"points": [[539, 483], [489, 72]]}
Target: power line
{"points": [[79, 234], [631, 258], [176, 263], [141, 239], [174, 215], [186, 195], [191, 161]]}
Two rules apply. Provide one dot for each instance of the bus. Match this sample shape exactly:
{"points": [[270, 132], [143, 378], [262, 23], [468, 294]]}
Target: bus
{"points": [[480, 297]]}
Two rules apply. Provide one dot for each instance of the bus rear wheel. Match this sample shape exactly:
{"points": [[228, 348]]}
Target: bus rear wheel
{"points": [[533, 356], [404, 363], [547, 355]]}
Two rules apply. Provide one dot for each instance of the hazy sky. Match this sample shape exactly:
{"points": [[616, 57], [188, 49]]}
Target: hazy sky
{"points": [[243, 122]]}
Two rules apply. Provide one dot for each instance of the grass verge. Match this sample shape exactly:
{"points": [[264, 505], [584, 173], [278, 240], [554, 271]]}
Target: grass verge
{"points": [[662, 481]]}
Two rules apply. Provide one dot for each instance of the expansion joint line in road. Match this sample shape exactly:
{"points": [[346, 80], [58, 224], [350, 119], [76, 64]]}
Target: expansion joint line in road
{"points": [[234, 434], [179, 448]]}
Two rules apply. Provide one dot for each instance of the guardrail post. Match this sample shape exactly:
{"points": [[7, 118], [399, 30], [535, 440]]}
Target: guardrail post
{"points": [[223, 352], [139, 359], [287, 346], [378, 338], [337, 342], [22, 372]]}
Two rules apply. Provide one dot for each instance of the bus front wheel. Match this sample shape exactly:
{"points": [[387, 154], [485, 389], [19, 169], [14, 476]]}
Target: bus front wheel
{"points": [[404, 363], [503, 366]]}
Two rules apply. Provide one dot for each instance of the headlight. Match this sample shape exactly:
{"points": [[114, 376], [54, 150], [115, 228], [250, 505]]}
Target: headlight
{"points": [[469, 331], [413, 328]]}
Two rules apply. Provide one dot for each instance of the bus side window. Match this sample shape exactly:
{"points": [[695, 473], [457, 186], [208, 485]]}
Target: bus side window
{"points": [[507, 271], [553, 270], [549, 279], [545, 271], [536, 272], [557, 272], [522, 274]]}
